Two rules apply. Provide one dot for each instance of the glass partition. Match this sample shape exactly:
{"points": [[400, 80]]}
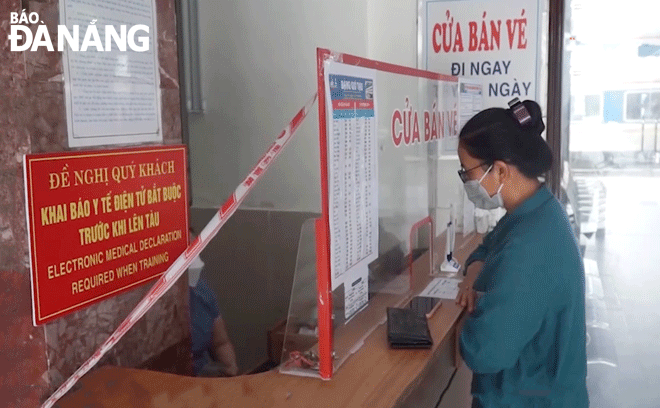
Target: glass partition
{"points": [[415, 127], [299, 348]]}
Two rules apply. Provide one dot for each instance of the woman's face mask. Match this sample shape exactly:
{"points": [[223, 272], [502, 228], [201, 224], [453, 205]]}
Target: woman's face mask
{"points": [[480, 197]]}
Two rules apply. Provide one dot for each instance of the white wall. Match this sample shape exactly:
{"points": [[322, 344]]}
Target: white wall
{"points": [[258, 63], [392, 31]]}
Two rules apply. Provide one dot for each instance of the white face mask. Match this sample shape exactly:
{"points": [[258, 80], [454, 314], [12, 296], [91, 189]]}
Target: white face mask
{"points": [[195, 270], [480, 197]]}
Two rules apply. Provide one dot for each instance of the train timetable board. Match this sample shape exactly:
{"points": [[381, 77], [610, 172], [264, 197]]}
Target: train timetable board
{"points": [[353, 179], [101, 223]]}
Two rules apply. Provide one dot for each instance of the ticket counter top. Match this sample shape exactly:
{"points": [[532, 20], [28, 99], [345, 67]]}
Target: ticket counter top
{"points": [[375, 376]]}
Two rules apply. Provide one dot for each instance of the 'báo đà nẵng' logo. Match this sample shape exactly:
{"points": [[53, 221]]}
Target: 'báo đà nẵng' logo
{"points": [[21, 38]]}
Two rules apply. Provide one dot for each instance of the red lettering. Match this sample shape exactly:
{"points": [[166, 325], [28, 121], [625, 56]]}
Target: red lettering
{"points": [[406, 124], [396, 136], [495, 30], [441, 124], [522, 40], [415, 135], [446, 37], [427, 126], [473, 42], [458, 40], [483, 39], [406, 127], [511, 31], [434, 127], [437, 31]]}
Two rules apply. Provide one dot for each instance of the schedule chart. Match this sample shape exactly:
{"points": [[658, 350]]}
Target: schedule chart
{"points": [[353, 183]]}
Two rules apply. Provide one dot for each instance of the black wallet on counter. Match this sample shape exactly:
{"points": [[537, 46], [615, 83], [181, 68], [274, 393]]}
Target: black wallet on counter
{"points": [[407, 328]]}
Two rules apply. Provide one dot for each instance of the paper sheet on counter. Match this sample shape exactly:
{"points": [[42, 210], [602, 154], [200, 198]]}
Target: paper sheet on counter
{"points": [[443, 288]]}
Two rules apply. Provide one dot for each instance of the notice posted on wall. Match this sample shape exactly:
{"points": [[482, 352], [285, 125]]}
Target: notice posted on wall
{"points": [[353, 176], [112, 82], [102, 222], [471, 100]]}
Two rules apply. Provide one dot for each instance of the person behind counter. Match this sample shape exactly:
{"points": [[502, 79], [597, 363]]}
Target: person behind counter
{"points": [[210, 342], [524, 336]]}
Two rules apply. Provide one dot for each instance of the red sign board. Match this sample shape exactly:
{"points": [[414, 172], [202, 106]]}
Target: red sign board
{"points": [[102, 222]]}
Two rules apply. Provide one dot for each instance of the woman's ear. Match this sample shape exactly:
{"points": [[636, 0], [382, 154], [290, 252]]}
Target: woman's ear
{"points": [[502, 171]]}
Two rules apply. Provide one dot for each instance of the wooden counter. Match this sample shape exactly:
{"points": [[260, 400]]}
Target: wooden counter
{"points": [[375, 376]]}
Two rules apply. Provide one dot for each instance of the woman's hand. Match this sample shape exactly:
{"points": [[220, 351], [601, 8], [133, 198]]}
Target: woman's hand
{"points": [[467, 297]]}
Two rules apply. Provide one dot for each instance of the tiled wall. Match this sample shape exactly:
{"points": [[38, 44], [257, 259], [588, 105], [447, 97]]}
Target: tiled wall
{"points": [[35, 361]]}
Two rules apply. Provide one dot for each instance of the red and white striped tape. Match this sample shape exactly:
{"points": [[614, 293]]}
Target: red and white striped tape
{"points": [[175, 270]]}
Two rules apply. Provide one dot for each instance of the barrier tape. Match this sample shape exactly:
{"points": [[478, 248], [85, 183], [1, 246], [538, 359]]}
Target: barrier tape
{"points": [[177, 268]]}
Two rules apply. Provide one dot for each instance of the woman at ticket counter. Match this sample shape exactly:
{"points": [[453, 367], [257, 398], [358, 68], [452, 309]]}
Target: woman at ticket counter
{"points": [[524, 337]]}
